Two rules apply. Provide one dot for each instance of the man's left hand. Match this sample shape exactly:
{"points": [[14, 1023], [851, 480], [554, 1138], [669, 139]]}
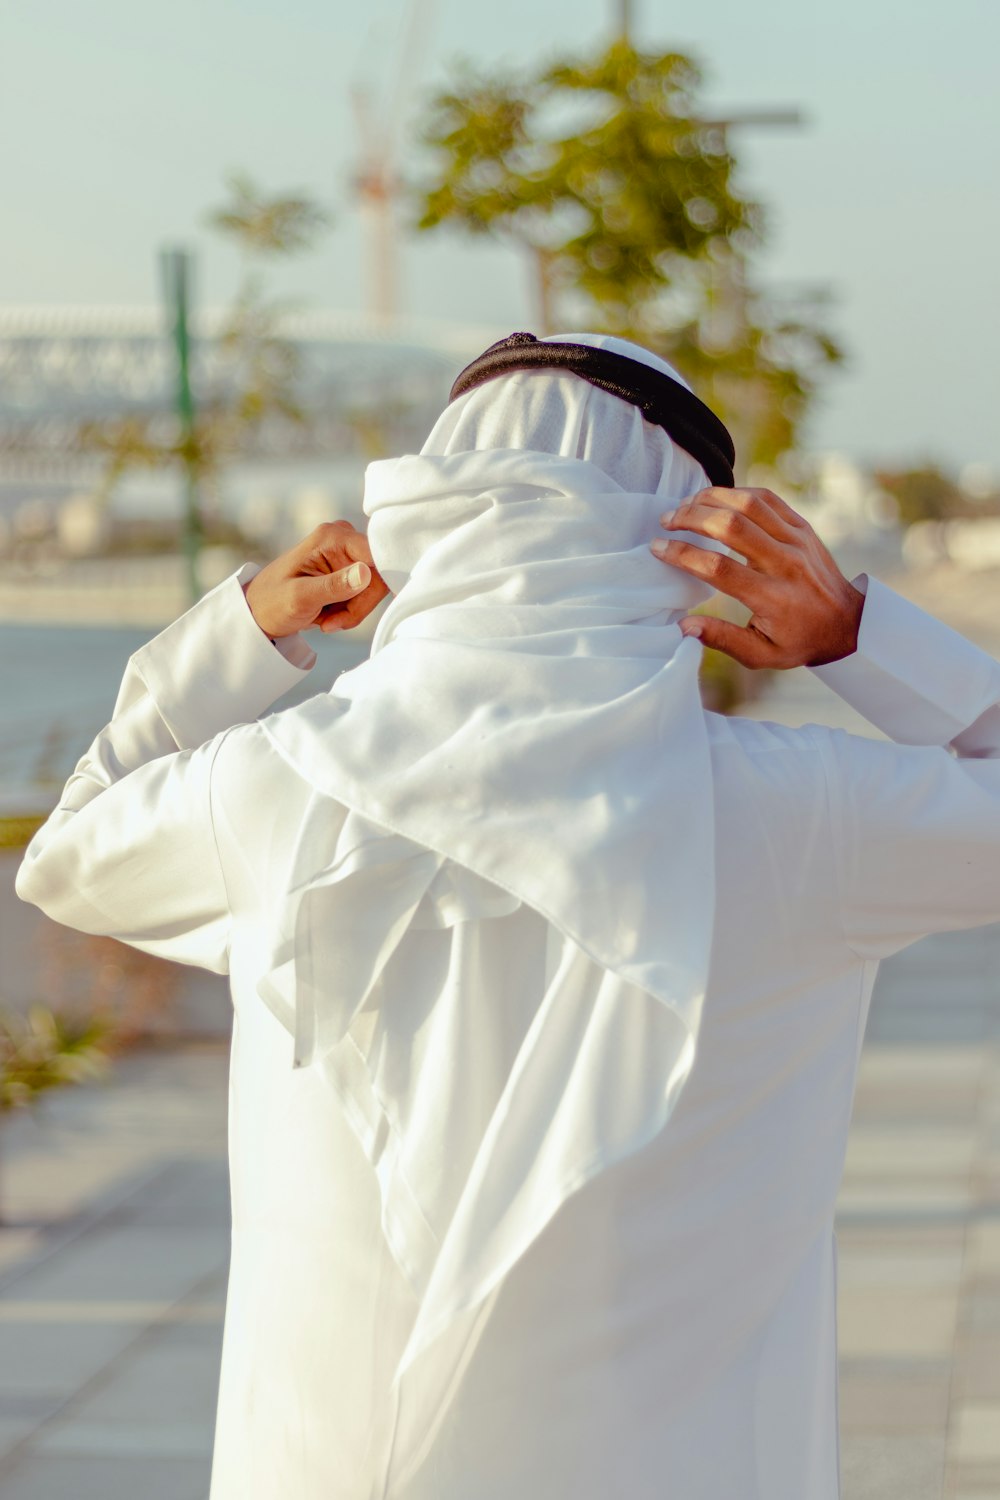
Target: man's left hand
{"points": [[803, 610], [328, 580]]}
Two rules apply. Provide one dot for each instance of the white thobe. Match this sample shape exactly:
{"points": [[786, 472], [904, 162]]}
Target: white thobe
{"points": [[672, 1332]]}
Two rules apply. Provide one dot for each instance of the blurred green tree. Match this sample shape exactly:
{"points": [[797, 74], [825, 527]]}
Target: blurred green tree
{"points": [[604, 170], [259, 368], [926, 493]]}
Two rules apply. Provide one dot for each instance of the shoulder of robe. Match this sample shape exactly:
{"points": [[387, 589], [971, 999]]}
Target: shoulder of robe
{"points": [[762, 736], [252, 776], [758, 760]]}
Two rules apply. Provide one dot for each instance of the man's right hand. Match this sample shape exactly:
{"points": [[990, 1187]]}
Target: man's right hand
{"points": [[328, 581], [804, 611]]}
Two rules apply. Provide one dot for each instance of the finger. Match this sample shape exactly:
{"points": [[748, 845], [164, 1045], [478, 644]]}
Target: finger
{"points": [[738, 532], [327, 537], [347, 582], [358, 548], [347, 616], [738, 580], [767, 510], [315, 594], [760, 504], [742, 643], [337, 548]]}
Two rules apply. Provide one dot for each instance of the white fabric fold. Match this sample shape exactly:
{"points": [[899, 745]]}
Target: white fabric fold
{"points": [[529, 731]]}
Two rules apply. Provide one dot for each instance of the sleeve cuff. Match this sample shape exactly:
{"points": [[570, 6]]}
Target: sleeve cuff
{"points": [[214, 667], [913, 677], [294, 648]]}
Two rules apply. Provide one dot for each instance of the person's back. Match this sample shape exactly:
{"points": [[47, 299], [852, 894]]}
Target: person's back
{"points": [[668, 1296], [625, 1303], [677, 1315]]}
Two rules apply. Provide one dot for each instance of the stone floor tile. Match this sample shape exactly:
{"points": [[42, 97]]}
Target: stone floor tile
{"points": [[975, 1434], [193, 1194], [952, 1106], [129, 1439], [977, 1481], [893, 1266], [126, 1262], [54, 1359], [16, 1244], [977, 1366], [889, 1196], [884, 1326], [981, 1311], [76, 1477], [983, 1246], [21, 1415], [170, 1377], [882, 1233], [913, 1152], [896, 1468], [890, 1397], [918, 1068], [14, 1430]]}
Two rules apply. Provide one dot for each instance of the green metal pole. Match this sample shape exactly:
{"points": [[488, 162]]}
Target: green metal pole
{"points": [[177, 289]]}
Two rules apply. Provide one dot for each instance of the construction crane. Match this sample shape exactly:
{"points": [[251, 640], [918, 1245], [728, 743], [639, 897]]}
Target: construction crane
{"points": [[376, 183]]}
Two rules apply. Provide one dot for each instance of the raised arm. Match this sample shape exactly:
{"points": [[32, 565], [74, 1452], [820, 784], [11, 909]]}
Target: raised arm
{"points": [[804, 612], [915, 826], [918, 680], [129, 850], [911, 676]]}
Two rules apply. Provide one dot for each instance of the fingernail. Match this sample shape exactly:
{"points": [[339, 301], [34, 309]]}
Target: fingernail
{"points": [[659, 547], [358, 576], [692, 627]]}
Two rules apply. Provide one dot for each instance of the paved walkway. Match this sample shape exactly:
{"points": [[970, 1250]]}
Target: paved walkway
{"points": [[112, 1284], [112, 1271]]}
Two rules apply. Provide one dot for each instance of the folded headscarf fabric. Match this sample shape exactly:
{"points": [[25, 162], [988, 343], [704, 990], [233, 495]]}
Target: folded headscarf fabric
{"points": [[529, 730]]}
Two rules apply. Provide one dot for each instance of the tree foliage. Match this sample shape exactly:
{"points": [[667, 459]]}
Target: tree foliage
{"points": [[606, 171], [267, 227], [930, 494], [258, 368], [926, 493]]}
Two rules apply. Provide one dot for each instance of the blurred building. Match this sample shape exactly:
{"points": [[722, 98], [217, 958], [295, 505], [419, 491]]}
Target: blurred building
{"points": [[363, 390]]}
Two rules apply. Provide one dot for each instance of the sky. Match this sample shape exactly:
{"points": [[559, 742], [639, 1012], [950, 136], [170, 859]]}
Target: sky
{"points": [[121, 119]]}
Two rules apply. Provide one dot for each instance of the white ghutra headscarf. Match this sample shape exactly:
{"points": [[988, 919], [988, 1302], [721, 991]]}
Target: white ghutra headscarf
{"points": [[528, 730]]}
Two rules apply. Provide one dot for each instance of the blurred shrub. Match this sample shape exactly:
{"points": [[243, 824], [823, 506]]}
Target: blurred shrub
{"points": [[46, 1049], [16, 833]]}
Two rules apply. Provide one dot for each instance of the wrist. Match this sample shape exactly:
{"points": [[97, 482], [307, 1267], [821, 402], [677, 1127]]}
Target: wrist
{"points": [[843, 641], [246, 594]]}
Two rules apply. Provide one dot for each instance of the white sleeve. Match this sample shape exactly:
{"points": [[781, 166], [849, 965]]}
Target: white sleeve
{"points": [[915, 825], [129, 852], [916, 679]]}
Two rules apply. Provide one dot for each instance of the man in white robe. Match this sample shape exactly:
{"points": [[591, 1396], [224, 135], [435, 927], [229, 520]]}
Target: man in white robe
{"points": [[541, 1210]]}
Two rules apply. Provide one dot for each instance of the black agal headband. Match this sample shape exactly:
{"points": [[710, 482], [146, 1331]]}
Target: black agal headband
{"points": [[664, 402]]}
